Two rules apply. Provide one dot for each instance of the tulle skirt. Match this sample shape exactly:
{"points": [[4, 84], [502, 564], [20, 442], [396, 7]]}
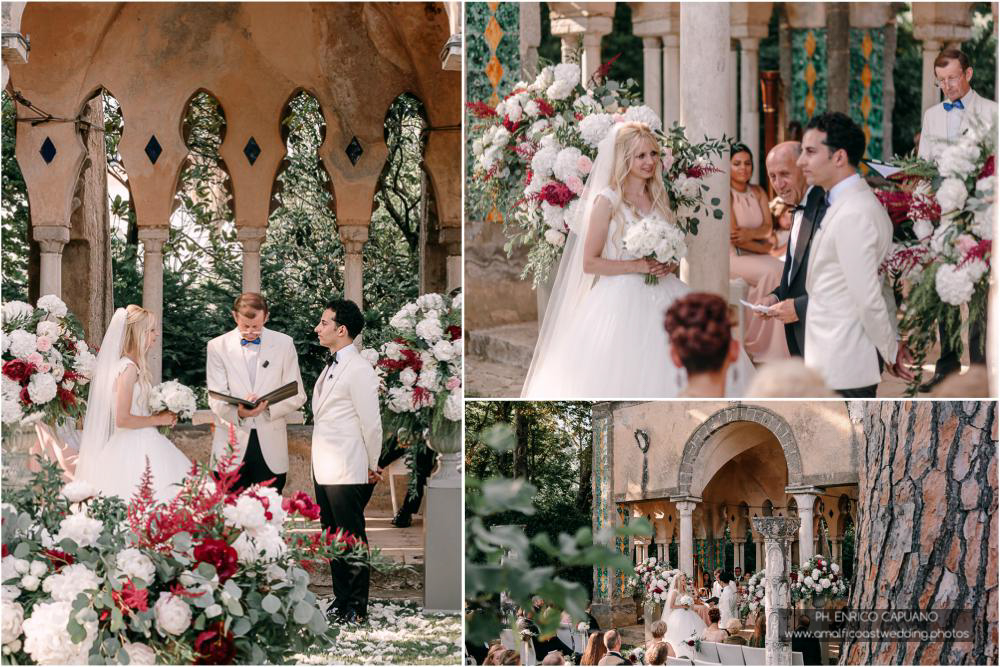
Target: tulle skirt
{"points": [[681, 624], [617, 346], [124, 458]]}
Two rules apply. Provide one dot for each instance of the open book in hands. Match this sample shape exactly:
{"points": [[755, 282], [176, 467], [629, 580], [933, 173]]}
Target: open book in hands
{"points": [[279, 394]]}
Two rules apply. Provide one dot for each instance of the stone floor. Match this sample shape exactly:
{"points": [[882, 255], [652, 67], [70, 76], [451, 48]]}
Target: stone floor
{"points": [[498, 358]]}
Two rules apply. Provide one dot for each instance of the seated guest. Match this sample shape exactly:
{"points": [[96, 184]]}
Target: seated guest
{"points": [[807, 646], [788, 378], [508, 657], [656, 630], [733, 627], [554, 658], [750, 256], [759, 632], [595, 649], [713, 633], [613, 643], [701, 342], [658, 654]]}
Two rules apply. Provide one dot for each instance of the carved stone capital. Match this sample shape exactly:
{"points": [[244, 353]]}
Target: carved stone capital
{"points": [[153, 238], [251, 237], [51, 238], [776, 528], [354, 237]]}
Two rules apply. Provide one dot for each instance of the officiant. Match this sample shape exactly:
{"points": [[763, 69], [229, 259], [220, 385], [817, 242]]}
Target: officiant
{"points": [[943, 124], [246, 363]]}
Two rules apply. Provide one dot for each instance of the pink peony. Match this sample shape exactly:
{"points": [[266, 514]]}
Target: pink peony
{"points": [[965, 244], [667, 160], [584, 164], [43, 343], [453, 383], [574, 184], [35, 358]]}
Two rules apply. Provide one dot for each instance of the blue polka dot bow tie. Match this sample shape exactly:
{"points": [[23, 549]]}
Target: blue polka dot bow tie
{"points": [[948, 106], [244, 342]]}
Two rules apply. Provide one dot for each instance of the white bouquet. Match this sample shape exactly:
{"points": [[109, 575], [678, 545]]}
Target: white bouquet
{"points": [[652, 237], [686, 601], [175, 397]]}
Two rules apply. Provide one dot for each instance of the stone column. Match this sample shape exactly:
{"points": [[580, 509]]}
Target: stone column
{"points": [[671, 80], [705, 103], [152, 239], [51, 240], [930, 94], [530, 36], [777, 533], [590, 59], [685, 554], [354, 236], [582, 25], [251, 238], [651, 61], [758, 549], [568, 46], [806, 500], [738, 553], [451, 239], [734, 91], [835, 547], [750, 101]]}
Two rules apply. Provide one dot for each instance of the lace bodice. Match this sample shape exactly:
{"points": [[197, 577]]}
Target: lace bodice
{"points": [[139, 406]]}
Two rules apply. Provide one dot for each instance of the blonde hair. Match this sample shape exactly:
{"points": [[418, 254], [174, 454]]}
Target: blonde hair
{"points": [[137, 324], [628, 138]]}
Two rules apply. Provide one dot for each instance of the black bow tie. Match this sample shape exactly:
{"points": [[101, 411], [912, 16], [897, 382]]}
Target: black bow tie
{"points": [[331, 359]]}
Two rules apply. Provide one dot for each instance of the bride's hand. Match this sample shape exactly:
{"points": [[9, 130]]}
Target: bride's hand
{"points": [[165, 418], [658, 269]]}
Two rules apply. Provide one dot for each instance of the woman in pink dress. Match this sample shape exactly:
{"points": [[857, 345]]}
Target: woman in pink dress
{"points": [[750, 245]]}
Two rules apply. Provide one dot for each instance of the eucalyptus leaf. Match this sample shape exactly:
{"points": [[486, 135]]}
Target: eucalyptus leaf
{"points": [[271, 604]]}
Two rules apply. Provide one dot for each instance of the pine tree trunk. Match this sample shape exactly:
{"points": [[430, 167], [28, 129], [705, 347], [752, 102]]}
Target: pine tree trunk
{"points": [[927, 525]]}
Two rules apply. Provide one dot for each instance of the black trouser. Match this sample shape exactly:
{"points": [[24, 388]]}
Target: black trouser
{"points": [[425, 464], [342, 507], [255, 470], [949, 361]]}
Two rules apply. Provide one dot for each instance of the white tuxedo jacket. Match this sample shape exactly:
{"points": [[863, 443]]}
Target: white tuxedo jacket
{"points": [[347, 425], [729, 604], [227, 373], [934, 130], [852, 313]]}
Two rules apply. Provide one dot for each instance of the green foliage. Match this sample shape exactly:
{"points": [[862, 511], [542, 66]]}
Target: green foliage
{"points": [[623, 44], [14, 213]]}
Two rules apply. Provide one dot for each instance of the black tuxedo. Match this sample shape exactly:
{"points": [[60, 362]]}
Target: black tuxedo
{"points": [[793, 276]]}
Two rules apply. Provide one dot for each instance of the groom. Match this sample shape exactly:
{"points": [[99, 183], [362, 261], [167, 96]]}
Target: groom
{"points": [[729, 601], [346, 443], [247, 362], [850, 330]]}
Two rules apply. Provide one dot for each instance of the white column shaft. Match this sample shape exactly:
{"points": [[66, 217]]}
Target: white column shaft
{"points": [[153, 239], [651, 63], [750, 101], [685, 555], [930, 94], [590, 59], [671, 80]]}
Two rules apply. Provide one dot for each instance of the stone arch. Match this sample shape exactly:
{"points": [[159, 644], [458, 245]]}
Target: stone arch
{"points": [[285, 132], [764, 417]]}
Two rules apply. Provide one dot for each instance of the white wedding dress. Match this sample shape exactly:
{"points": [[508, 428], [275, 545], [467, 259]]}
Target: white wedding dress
{"points": [[681, 624], [604, 336], [113, 459]]}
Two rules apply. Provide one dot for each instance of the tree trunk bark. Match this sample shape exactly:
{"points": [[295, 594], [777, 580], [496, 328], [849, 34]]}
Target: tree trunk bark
{"points": [[585, 493], [927, 525], [522, 430]]}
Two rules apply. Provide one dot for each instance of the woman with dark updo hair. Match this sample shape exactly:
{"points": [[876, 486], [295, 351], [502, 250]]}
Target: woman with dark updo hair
{"points": [[701, 342]]}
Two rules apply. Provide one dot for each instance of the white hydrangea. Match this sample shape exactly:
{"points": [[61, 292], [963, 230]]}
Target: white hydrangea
{"points": [[22, 343], [555, 237], [645, 115], [543, 80], [429, 378], [942, 237], [923, 228], [13, 616], [273, 498], [535, 130], [567, 164], [53, 305], [405, 319], [84, 364], [431, 301], [430, 329], [566, 78], [264, 546], [816, 574], [983, 220], [47, 640], [531, 109], [173, 615], [953, 285], [50, 330], [38, 568], [70, 581], [12, 412], [554, 216], [136, 565], [595, 127], [453, 406], [587, 103], [443, 350], [543, 161], [834, 568], [824, 582], [81, 529], [42, 388], [958, 160], [247, 513], [13, 310], [401, 399], [975, 269], [952, 195]]}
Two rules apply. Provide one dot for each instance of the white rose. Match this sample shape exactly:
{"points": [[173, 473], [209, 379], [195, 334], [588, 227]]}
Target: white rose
{"points": [[140, 654], [22, 343], [13, 310], [808, 581], [21, 566], [923, 228], [247, 513], [407, 376], [81, 529], [689, 187], [48, 329], [834, 568], [953, 285], [38, 568], [30, 582], [173, 615], [554, 216], [78, 490], [555, 237], [430, 329], [429, 378], [47, 640], [952, 195], [136, 565], [816, 574], [824, 582], [53, 305], [70, 581], [273, 501], [443, 350], [13, 616], [543, 161]]}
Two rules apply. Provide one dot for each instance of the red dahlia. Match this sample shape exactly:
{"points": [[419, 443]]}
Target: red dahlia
{"points": [[215, 646]]}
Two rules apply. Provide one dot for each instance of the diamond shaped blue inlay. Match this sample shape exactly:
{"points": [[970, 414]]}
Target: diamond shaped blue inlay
{"points": [[153, 149], [252, 151], [48, 150], [354, 150]]}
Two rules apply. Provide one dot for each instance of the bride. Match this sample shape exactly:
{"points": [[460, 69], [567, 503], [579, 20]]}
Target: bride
{"points": [[603, 333], [681, 621], [119, 433]]}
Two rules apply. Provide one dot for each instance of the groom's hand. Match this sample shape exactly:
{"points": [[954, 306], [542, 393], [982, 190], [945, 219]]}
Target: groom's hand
{"points": [[375, 476], [901, 368]]}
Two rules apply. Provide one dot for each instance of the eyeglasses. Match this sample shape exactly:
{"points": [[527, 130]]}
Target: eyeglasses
{"points": [[950, 81]]}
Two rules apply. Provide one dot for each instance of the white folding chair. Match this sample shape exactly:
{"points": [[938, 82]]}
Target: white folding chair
{"points": [[679, 661], [754, 656], [696, 661], [797, 658], [730, 654], [708, 652]]}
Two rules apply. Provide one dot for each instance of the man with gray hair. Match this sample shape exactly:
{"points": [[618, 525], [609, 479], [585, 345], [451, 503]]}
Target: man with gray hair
{"points": [[613, 642], [789, 300]]}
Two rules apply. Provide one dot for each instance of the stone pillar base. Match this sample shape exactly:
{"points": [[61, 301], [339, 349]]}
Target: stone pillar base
{"points": [[617, 614], [443, 527]]}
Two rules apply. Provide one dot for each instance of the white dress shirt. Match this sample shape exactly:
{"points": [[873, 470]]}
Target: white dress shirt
{"points": [[250, 354], [840, 188]]}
